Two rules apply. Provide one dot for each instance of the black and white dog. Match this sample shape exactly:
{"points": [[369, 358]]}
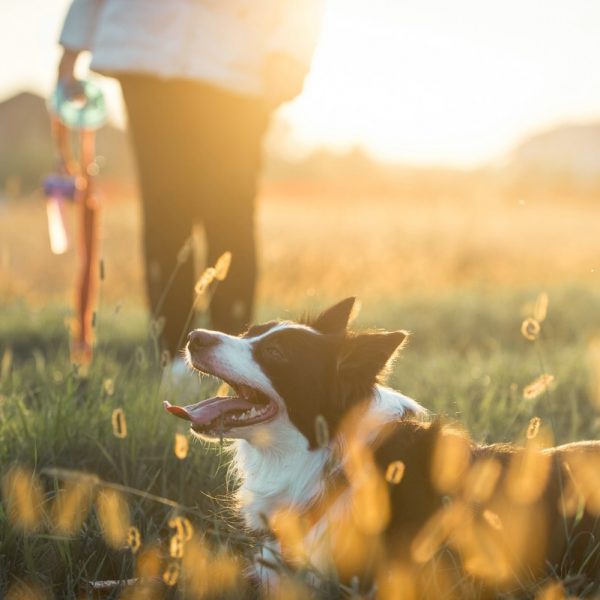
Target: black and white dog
{"points": [[314, 432]]}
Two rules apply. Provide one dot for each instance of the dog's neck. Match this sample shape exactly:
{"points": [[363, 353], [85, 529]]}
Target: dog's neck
{"points": [[284, 473]]}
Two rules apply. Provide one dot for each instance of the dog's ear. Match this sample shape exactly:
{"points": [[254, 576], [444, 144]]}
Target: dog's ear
{"points": [[363, 358], [335, 319]]}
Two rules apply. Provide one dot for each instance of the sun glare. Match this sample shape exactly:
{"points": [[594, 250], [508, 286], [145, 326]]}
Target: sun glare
{"points": [[456, 83]]}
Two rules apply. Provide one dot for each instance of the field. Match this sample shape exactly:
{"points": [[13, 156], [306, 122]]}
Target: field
{"points": [[460, 271]]}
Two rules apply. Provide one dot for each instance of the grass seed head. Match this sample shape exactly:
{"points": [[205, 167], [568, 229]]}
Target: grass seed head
{"points": [[72, 505], [492, 519], [540, 309], [113, 515], [108, 385], [176, 546], [551, 591], [22, 498], [481, 480], [223, 389], [25, 591], [183, 527], [533, 427], [537, 387], [171, 573], [149, 564], [181, 446], [6, 364], [289, 530], [394, 472], [185, 251], [205, 281], [451, 458], [222, 266], [527, 475], [119, 424], [593, 355], [530, 329], [134, 539], [397, 581]]}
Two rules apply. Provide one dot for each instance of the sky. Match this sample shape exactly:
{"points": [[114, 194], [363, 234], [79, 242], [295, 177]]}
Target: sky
{"points": [[419, 81]]}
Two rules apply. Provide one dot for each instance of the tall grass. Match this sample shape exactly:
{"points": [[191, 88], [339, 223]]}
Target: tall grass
{"points": [[462, 284]]}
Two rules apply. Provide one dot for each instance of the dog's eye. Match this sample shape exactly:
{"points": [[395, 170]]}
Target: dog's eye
{"points": [[274, 352]]}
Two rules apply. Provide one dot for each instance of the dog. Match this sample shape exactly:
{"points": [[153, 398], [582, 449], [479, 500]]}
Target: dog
{"points": [[348, 479]]}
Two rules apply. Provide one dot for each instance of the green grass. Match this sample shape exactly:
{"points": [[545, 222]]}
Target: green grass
{"points": [[466, 359]]}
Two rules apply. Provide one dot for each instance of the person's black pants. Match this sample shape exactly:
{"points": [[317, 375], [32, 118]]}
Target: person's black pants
{"points": [[198, 153]]}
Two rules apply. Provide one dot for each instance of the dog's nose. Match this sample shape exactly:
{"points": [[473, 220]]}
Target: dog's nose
{"points": [[200, 338]]}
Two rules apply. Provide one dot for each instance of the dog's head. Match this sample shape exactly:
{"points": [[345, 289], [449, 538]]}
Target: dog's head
{"points": [[287, 373]]}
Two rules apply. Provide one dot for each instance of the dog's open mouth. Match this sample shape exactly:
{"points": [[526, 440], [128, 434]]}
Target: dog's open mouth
{"points": [[224, 413]]}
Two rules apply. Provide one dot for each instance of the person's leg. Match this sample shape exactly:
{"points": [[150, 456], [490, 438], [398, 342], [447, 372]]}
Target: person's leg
{"points": [[167, 214], [232, 128]]}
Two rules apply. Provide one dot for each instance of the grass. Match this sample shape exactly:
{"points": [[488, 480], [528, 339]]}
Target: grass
{"points": [[461, 284]]}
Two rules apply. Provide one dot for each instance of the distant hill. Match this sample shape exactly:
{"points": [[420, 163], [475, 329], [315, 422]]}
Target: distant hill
{"points": [[27, 150], [568, 153], [567, 156]]}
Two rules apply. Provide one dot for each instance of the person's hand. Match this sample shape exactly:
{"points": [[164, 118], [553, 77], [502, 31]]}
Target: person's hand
{"points": [[66, 67], [283, 78]]}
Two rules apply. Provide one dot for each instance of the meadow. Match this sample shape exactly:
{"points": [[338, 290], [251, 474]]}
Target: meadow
{"points": [[460, 271]]}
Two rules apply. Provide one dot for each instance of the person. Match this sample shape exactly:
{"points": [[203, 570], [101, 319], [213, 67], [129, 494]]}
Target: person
{"points": [[200, 80]]}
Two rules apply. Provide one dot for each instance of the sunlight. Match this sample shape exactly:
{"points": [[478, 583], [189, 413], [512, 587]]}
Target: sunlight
{"points": [[460, 84]]}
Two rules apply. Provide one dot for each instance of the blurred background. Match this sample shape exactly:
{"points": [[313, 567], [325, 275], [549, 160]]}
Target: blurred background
{"points": [[435, 145]]}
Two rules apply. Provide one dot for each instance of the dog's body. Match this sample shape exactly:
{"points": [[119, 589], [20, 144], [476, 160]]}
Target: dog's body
{"points": [[315, 432]]}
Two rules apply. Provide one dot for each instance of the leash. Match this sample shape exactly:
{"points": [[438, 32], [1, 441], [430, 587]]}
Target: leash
{"points": [[80, 110]]}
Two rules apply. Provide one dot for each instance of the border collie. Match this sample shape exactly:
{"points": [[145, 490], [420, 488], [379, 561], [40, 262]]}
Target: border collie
{"points": [[315, 437]]}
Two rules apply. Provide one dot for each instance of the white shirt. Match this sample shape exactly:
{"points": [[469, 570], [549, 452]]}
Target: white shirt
{"points": [[222, 42]]}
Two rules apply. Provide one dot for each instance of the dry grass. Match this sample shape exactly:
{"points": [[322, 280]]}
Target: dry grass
{"points": [[330, 242], [468, 274]]}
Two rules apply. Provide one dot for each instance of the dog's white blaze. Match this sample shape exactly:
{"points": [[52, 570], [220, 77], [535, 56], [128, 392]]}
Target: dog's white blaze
{"points": [[232, 359]]}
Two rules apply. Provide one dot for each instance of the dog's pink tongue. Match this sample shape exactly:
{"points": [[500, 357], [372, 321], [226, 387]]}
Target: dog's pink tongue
{"points": [[206, 411]]}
